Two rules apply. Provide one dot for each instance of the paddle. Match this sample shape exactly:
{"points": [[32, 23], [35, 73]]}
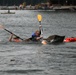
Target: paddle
{"points": [[39, 17], [1, 26]]}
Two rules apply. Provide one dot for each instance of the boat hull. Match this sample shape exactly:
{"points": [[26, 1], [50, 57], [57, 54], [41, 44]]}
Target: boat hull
{"points": [[53, 39]]}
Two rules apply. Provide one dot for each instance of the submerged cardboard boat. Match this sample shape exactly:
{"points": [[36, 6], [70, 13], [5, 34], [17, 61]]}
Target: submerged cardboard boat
{"points": [[54, 39]]}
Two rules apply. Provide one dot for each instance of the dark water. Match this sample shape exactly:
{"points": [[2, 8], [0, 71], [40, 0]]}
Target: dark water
{"points": [[37, 59]]}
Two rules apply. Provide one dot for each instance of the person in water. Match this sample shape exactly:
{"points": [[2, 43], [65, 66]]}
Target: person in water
{"points": [[14, 38], [36, 36]]}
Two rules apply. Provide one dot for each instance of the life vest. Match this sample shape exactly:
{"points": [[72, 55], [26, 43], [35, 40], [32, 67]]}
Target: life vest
{"points": [[33, 37]]}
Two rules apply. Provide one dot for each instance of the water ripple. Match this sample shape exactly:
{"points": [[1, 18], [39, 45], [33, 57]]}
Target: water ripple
{"points": [[22, 71]]}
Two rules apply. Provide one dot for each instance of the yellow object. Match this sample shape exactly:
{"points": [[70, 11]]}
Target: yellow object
{"points": [[39, 17], [44, 42]]}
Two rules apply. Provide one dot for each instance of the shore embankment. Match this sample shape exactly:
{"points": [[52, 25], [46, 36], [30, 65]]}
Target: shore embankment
{"points": [[70, 8]]}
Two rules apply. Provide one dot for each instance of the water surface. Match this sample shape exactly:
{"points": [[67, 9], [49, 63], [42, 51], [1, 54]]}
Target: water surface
{"points": [[37, 59]]}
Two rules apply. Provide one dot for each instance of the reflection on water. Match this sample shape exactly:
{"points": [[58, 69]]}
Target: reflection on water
{"points": [[37, 59]]}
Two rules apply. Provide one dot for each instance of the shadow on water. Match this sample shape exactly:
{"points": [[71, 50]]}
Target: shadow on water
{"points": [[22, 71]]}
